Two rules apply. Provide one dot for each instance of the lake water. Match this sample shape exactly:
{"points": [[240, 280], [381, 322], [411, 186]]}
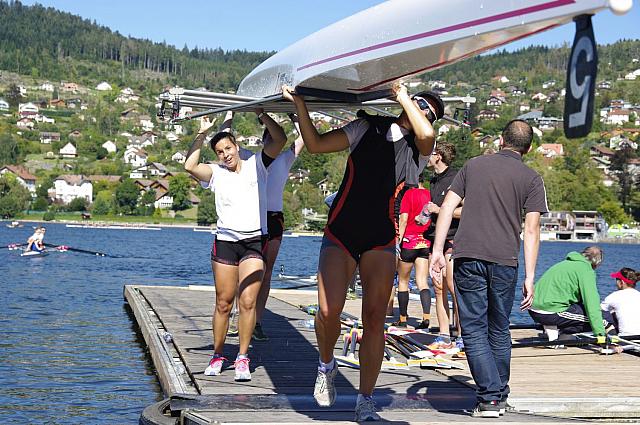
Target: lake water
{"points": [[70, 353]]}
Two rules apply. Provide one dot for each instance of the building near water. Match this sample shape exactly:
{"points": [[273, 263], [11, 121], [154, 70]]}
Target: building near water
{"points": [[68, 187], [590, 225], [22, 175]]}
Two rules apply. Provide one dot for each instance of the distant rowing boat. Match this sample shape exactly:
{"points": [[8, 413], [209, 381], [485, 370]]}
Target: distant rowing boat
{"points": [[112, 227], [203, 229], [32, 254]]}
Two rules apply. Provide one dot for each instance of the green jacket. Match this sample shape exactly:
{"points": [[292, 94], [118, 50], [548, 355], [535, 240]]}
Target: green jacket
{"points": [[571, 281]]}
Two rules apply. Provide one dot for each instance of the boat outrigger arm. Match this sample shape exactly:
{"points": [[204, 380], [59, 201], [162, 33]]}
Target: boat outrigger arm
{"points": [[211, 103], [355, 62]]}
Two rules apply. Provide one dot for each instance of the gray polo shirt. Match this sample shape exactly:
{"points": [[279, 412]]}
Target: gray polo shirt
{"points": [[497, 190]]}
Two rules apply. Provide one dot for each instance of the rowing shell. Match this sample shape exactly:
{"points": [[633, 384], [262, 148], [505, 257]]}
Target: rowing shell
{"points": [[33, 254], [370, 50]]}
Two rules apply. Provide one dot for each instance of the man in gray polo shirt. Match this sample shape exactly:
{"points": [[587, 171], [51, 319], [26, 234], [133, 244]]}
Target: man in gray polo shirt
{"points": [[497, 189]]}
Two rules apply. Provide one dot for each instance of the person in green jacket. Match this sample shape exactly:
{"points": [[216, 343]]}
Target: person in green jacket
{"points": [[566, 299]]}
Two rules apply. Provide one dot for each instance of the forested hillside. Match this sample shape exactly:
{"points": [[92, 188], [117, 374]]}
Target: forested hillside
{"points": [[57, 45]]}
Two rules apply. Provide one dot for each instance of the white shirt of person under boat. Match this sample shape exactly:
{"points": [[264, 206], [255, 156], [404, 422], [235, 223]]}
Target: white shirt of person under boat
{"points": [[625, 303], [240, 199], [357, 128], [278, 175]]}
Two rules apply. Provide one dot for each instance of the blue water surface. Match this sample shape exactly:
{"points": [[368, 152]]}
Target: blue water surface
{"points": [[70, 353]]}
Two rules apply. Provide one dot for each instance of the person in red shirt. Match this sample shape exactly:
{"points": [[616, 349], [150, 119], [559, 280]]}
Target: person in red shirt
{"points": [[414, 251]]}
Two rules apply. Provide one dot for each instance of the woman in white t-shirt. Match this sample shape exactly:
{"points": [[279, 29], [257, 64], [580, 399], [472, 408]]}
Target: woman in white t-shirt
{"points": [[237, 255], [624, 303]]}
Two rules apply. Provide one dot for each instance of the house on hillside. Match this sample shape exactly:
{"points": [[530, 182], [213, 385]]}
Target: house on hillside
{"points": [[46, 137], [630, 76], [621, 142], [75, 134], [22, 175], [250, 141], [57, 103], [104, 178], [134, 156], [618, 116], [551, 150], [179, 157], [548, 84], [68, 187], [323, 187], [299, 176], [146, 123], [28, 110], [4, 105], [110, 146], [69, 87], [104, 86], [44, 119], [47, 86], [68, 151], [501, 79], [494, 101], [604, 85], [129, 114], [487, 114], [539, 97], [172, 137], [25, 123]]}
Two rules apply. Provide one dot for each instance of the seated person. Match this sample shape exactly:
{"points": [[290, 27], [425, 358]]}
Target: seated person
{"points": [[36, 241], [566, 298], [624, 304]]}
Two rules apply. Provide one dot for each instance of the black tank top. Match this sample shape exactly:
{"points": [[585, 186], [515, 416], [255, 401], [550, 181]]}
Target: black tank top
{"points": [[364, 205]]}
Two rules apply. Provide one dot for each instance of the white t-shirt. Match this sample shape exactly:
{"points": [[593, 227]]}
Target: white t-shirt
{"points": [[625, 303], [240, 199], [278, 175], [357, 128]]}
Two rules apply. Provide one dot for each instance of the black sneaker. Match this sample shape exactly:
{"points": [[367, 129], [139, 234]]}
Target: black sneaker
{"points": [[486, 409], [423, 325], [258, 333], [400, 324], [505, 407]]}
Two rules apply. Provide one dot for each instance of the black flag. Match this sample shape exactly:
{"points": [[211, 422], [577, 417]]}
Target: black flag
{"points": [[581, 80]]}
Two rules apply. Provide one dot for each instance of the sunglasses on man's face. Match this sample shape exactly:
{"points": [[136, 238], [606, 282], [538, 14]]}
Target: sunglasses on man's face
{"points": [[425, 106]]}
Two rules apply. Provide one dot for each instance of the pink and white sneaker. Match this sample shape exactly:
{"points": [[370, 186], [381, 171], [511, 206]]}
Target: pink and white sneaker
{"points": [[242, 369], [215, 366]]}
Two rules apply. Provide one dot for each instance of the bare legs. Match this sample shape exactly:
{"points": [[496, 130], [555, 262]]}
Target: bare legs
{"points": [[272, 253], [245, 279], [335, 270]]}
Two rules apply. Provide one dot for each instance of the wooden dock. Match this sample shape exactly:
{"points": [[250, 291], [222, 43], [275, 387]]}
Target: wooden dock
{"points": [[176, 325]]}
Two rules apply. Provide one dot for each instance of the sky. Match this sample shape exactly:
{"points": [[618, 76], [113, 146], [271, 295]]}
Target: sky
{"points": [[271, 25]]}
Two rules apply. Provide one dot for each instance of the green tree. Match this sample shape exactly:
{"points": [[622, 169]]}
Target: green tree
{"points": [[127, 194], [207, 209], [14, 198], [42, 191], [613, 213], [101, 153], [77, 204], [179, 187], [103, 203], [9, 149], [621, 169], [12, 95], [145, 205], [40, 204]]}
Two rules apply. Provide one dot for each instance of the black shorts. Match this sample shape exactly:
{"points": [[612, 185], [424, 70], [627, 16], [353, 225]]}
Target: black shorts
{"points": [[275, 224], [446, 250], [233, 253], [411, 255]]}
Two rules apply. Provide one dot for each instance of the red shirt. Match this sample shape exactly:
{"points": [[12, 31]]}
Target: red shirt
{"points": [[412, 203]]}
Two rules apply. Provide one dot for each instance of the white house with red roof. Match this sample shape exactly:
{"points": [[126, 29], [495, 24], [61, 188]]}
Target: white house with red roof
{"points": [[22, 175]]}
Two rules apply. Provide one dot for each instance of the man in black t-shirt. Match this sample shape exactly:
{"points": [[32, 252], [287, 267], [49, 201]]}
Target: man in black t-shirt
{"points": [[439, 185], [497, 189]]}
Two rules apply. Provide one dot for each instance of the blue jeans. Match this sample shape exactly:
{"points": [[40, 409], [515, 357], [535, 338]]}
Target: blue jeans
{"points": [[485, 294]]}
